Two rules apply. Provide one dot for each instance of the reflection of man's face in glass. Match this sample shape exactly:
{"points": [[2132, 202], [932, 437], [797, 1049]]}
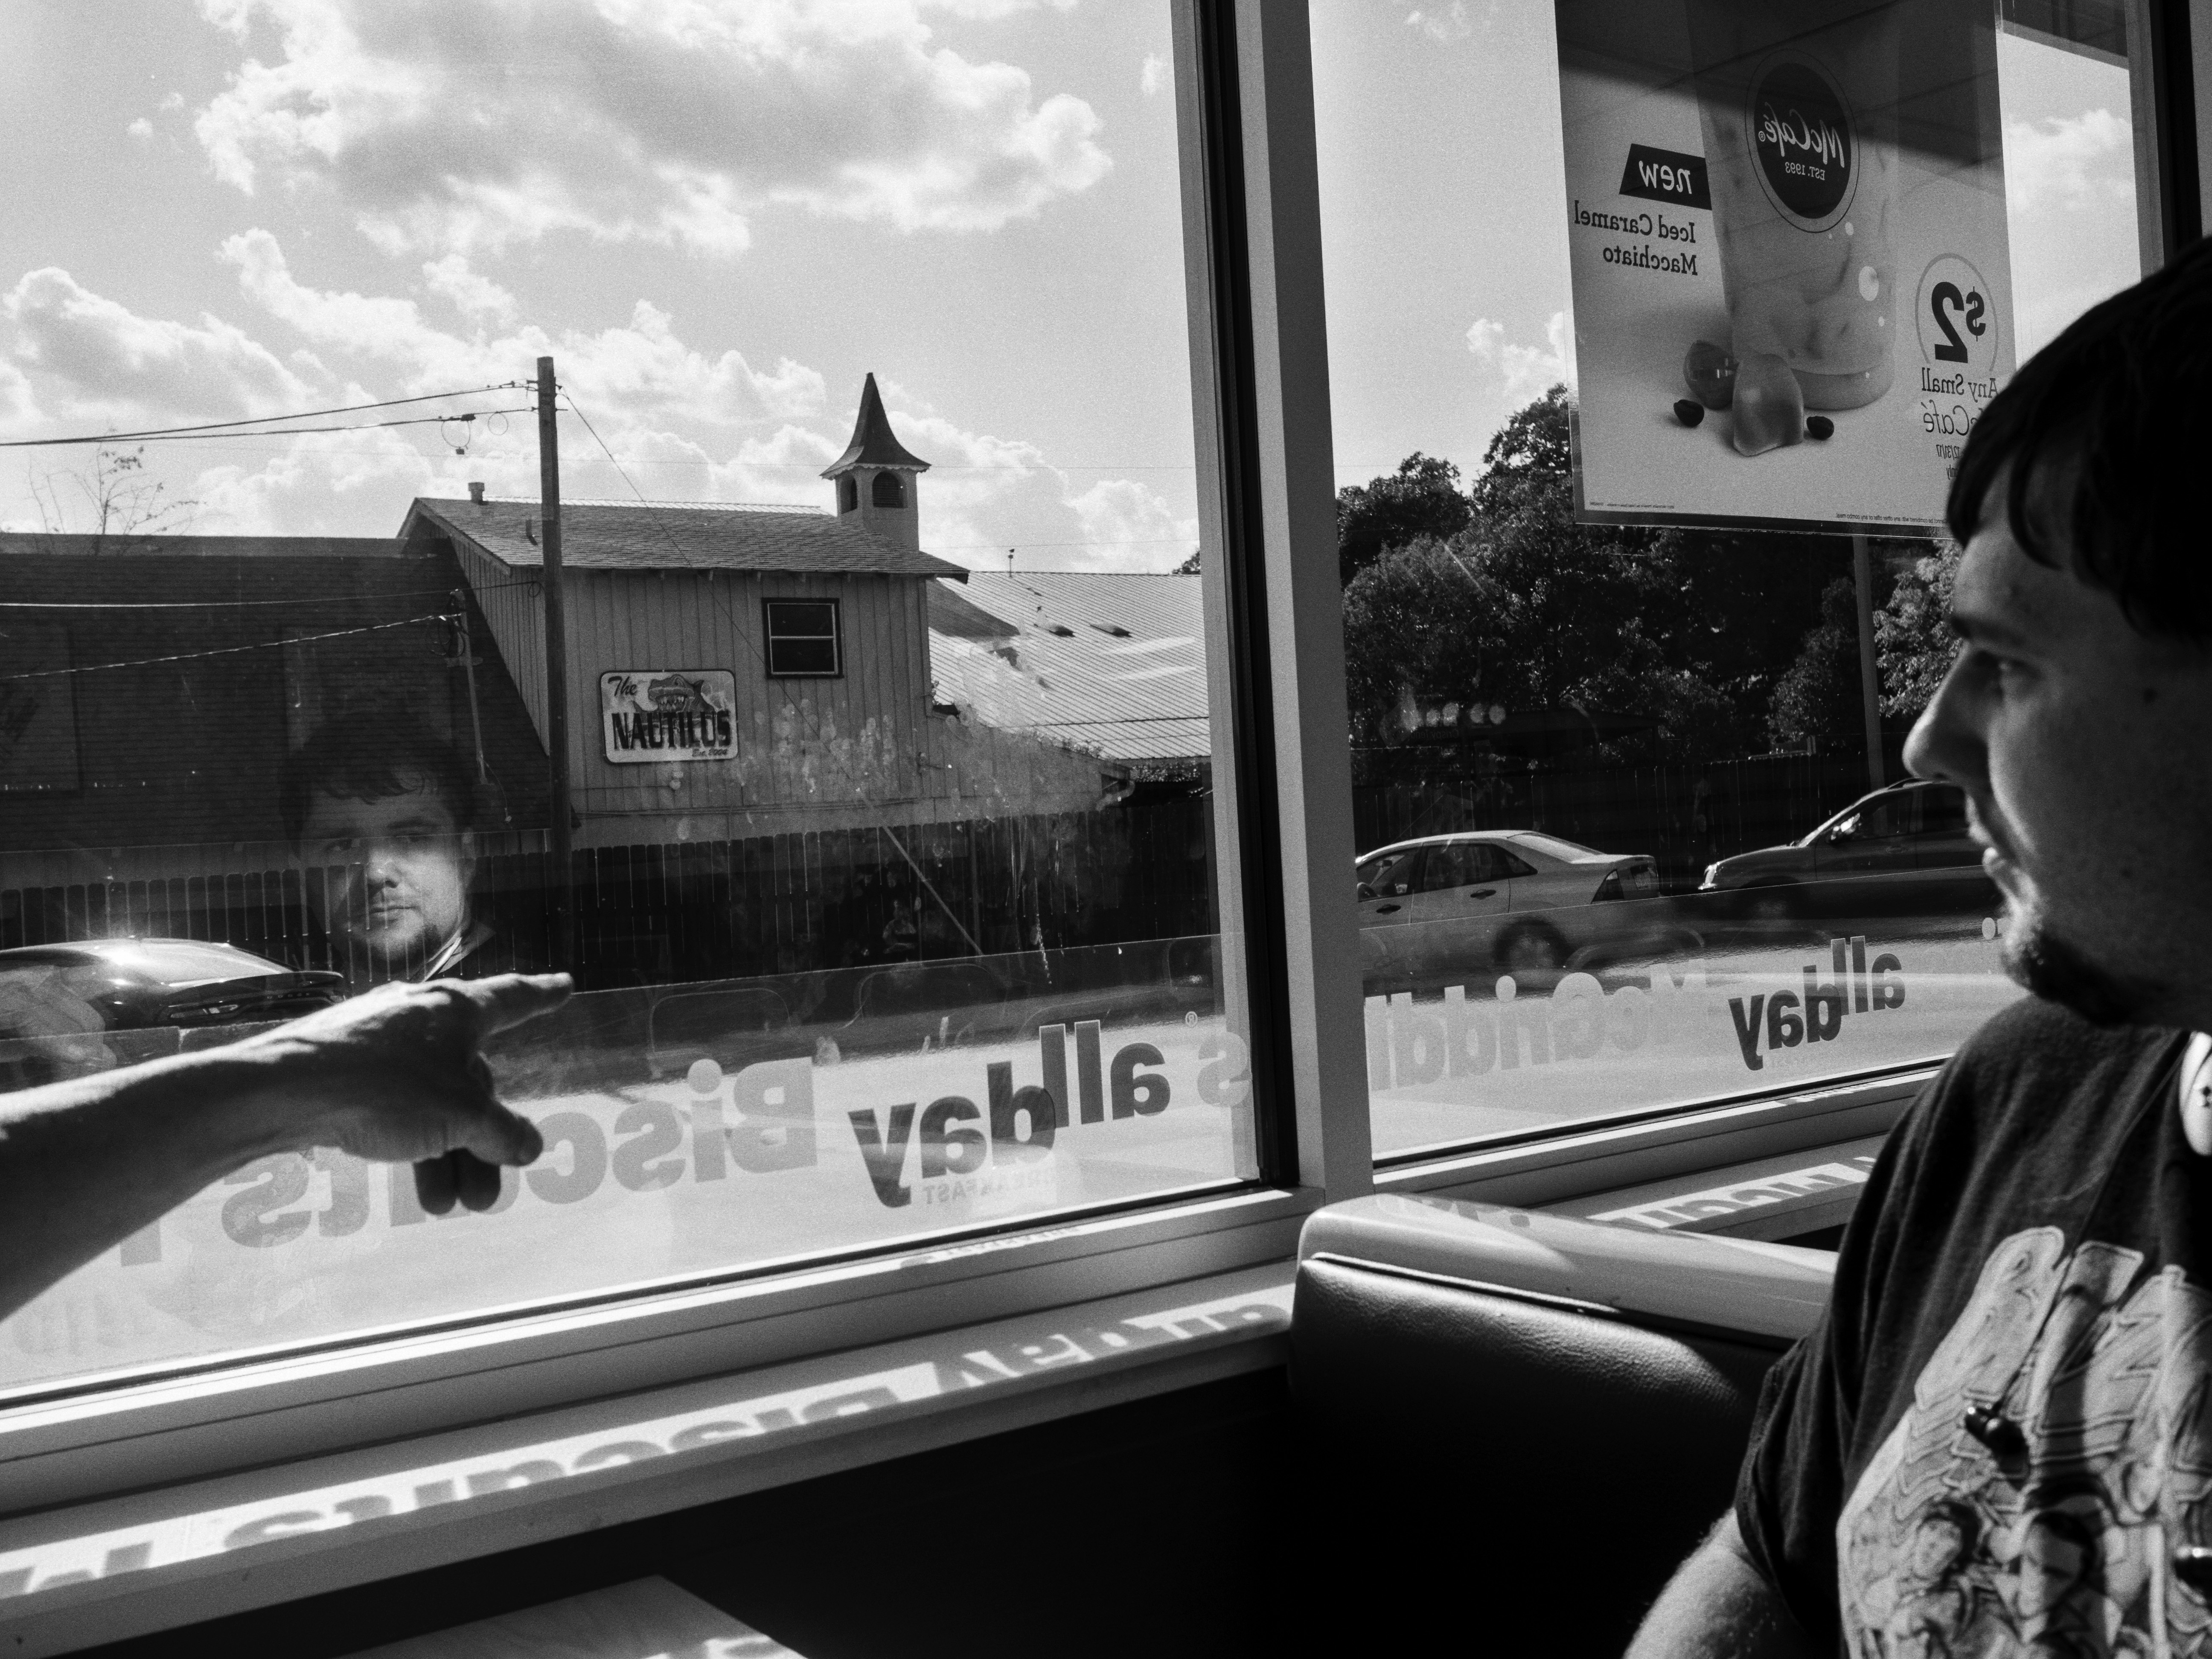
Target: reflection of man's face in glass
{"points": [[405, 886]]}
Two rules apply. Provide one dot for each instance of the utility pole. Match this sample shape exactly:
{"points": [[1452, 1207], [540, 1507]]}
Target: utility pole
{"points": [[1869, 676], [557, 672]]}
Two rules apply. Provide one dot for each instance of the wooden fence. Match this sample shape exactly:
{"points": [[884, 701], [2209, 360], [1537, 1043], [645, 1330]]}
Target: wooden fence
{"points": [[806, 901], [770, 904]]}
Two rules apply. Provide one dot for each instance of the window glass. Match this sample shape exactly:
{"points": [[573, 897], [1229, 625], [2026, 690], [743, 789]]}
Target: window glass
{"points": [[1552, 846], [1394, 874], [890, 787], [1532, 293], [1885, 819], [802, 637], [1461, 863], [1942, 812]]}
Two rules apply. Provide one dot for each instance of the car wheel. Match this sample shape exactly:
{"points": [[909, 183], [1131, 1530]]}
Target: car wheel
{"points": [[1531, 947]]}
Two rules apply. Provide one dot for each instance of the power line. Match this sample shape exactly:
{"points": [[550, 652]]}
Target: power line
{"points": [[152, 432], [189, 437], [228, 650]]}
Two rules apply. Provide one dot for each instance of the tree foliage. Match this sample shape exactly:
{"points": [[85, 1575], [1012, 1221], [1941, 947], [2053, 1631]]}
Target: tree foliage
{"points": [[1524, 607], [1914, 644], [113, 498], [1818, 697], [1421, 499]]}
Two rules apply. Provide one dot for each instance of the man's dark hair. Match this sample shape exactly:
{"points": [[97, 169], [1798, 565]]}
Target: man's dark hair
{"points": [[367, 754], [2104, 439]]}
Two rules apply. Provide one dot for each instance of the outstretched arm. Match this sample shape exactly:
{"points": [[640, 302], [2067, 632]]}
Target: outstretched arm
{"points": [[1717, 1606], [397, 1075]]}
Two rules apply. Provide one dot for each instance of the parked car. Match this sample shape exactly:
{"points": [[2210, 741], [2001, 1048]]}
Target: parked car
{"points": [[1502, 898], [1904, 850], [128, 984]]}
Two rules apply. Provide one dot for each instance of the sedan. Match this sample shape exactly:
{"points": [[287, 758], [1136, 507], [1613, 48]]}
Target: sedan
{"points": [[1505, 897], [1904, 850], [129, 984]]}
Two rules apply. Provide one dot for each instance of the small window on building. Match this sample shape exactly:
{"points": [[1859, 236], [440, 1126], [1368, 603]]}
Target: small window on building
{"points": [[848, 494], [802, 638], [887, 491]]}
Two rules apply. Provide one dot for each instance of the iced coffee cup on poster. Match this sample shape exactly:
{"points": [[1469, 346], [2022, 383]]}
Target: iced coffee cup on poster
{"points": [[1798, 102]]}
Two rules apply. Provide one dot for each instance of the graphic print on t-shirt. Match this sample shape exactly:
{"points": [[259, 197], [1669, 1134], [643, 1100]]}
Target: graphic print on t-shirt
{"points": [[1942, 1551]]}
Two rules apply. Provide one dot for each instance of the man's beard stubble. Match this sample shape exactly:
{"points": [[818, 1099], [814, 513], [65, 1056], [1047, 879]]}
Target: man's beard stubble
{"points": [[2049, 966]]}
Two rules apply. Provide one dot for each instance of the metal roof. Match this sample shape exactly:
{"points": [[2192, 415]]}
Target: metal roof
{"points": [[705, 538], [1105, 661], [873, 442]]}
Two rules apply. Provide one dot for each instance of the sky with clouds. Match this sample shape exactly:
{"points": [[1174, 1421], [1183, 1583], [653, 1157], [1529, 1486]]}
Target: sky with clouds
{"points": [[719, 215]]}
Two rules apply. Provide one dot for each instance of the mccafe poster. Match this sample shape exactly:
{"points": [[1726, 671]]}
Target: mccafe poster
{"points": [[1786, 231]]}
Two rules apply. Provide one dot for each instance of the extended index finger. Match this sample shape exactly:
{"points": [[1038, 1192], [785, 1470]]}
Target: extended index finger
{"points": [[508, 1000]]}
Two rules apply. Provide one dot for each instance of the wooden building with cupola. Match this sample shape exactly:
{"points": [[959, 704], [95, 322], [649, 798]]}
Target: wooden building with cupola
{"points": [[795, 641]]}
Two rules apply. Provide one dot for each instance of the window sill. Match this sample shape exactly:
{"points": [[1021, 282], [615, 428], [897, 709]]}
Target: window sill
{"points": [[1663, 1153], [155, 1560], [168, 1430]]}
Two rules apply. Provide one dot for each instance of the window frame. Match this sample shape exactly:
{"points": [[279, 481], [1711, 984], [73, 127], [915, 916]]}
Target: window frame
{"points": [[1274, 626], [835, 636]]}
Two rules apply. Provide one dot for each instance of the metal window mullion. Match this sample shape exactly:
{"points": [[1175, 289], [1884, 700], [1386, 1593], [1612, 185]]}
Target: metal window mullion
{"points": [[1259, 385]]}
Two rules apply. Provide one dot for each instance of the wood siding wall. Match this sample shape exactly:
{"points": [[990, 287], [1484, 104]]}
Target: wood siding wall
{"points": [[860, 739], [513, 607]]}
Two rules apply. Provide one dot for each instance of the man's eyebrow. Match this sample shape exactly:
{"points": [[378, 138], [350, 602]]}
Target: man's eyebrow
{"points": [[1985, 630]]}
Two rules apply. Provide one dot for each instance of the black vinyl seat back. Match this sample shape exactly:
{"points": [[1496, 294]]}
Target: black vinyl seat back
{"points": [[1503, 1471]]}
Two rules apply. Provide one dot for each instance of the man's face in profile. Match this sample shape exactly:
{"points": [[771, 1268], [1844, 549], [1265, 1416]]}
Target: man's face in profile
{"points": [[404, 889], [2086, 750]]}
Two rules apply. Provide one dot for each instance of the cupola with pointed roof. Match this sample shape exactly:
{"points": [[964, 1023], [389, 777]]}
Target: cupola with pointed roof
{"points": [[876, 475]]}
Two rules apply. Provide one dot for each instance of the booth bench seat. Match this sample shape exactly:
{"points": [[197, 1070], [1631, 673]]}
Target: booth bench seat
{"points": [[1520, 1423]]}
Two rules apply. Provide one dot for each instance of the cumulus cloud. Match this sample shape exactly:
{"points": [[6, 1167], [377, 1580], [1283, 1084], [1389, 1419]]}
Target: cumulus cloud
{"points": [[638, 369], [983, 495], [477, 298], [992, 10], [96, 359], [2067, 162], [684, 424], [1526, 372], [1153, 78], [1127, 524], [141, 128], [674, 121]]}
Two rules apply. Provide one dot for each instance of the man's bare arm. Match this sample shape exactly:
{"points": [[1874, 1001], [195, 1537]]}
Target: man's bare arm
{"points": [[1718, 1606], [397, 1076]]}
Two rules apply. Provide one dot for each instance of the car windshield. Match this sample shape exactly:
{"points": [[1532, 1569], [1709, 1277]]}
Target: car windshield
{"points": [[1551, 846]]}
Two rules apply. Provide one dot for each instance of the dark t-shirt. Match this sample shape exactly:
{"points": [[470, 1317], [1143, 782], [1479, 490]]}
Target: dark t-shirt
{"points": [[2036, 1241]]}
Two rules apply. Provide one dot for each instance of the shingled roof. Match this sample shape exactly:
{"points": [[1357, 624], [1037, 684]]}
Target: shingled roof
{"points": [[874, 443], [676, 538]]}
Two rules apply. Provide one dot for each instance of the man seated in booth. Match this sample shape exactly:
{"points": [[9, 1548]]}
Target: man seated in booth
{"points": [[380, 812], [1998, 1440]]}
